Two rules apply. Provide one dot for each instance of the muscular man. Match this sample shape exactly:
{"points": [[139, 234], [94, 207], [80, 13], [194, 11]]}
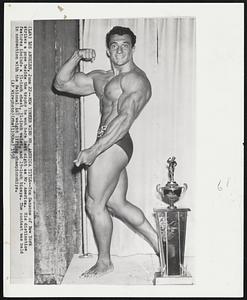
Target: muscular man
{"points": [[123, 92]]}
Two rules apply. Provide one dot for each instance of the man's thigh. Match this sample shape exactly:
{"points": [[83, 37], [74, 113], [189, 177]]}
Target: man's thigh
{"points": [[119, 194], [103, 174]]}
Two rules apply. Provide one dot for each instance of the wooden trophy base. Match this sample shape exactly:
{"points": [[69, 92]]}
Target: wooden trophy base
{"points": [[172, 280]]}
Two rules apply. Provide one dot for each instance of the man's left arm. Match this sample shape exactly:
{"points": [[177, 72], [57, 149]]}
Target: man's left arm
{"points": [[136, 93]]}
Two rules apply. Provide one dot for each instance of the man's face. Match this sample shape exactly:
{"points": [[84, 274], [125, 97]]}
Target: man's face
{"points": [[120, 50]]}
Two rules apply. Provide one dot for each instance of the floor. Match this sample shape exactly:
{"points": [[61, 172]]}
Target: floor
{"points": [[136, 269]]}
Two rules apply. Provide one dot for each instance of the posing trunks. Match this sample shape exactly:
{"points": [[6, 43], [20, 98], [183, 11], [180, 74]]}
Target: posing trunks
{"points": [[125, 142]]}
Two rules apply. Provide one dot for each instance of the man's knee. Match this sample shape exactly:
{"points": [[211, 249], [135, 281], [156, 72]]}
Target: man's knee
{"points": [[126, 211], [92, 205], [115, 207]]}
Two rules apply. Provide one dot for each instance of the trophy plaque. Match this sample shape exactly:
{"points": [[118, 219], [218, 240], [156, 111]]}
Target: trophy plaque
{"points": [[171, 228]]}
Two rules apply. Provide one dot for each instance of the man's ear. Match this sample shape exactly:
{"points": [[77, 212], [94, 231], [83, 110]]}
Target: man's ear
{"points": [[133, 49], [107, 52]]}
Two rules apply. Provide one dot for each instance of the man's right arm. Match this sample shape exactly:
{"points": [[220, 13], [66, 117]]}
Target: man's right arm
{"points": [[70, 81]]}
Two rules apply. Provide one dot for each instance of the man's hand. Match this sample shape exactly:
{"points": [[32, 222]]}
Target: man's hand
{"points": [[85, 157], [86, 54]]}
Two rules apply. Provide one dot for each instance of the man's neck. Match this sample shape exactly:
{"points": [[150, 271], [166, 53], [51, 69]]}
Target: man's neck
{"points": [[123, 69]]}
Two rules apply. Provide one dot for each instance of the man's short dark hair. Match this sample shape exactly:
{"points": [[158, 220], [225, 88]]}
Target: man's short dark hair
{"points": [[120, 31]]}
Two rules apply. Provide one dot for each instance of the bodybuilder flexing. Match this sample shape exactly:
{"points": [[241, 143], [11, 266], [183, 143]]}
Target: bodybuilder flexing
{"points": [[123, 92]]}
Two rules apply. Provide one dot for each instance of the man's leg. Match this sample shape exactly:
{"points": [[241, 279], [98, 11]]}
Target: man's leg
{"points": [[130, 214], [102, 178]]}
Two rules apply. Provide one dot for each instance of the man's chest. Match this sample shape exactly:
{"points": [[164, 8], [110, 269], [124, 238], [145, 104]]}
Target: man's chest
{"points": [[108, 89]]}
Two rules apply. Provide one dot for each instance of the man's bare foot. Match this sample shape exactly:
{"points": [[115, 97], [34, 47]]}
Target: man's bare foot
{"points": [[99, 269]]}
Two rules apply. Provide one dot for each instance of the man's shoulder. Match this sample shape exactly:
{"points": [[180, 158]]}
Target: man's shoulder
{"points": [[137, 74], [136, 78]]}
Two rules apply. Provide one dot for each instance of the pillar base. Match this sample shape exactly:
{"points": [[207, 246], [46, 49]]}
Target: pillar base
{"points": [[172, 280]]}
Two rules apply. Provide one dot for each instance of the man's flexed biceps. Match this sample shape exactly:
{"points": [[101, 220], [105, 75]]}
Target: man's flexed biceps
{"points": [[123, 92]]}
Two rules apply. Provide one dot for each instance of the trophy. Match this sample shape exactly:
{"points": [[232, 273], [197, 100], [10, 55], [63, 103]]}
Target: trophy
{"points": [[171, 228]]}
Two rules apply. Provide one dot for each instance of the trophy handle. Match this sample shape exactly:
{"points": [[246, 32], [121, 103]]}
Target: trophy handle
{"points": [[184, 188], [159, 189]]}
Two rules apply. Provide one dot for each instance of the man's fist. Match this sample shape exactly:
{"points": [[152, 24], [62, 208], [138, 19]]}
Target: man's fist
{"points": [[86, 157], [86, 54]]}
